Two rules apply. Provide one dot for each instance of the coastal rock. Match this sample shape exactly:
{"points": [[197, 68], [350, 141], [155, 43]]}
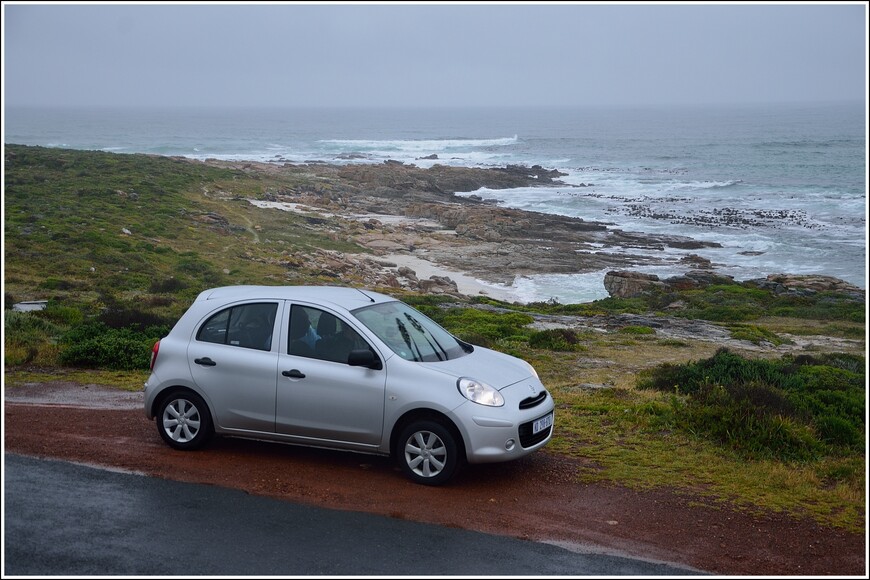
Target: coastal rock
{"points": [[696, 279], [438, 285], [408, 273], [627, 284], [623, 284], [212, 218], [535, 172], [696, 261], [386, 245], [807, 285]]}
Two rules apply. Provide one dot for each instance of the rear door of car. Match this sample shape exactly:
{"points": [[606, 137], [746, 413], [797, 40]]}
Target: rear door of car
{"points": [[320, 398], [233, 358]]}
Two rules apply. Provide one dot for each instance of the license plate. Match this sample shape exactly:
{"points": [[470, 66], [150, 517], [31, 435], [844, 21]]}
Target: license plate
{"points": [[542, 423]]}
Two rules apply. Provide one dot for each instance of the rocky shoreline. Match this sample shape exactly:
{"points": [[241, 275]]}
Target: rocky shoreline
{"points": [[423, 237], [404, 214]]}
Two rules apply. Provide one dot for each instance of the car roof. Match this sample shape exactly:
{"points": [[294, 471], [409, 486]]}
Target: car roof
{"points": [[342, 296]]}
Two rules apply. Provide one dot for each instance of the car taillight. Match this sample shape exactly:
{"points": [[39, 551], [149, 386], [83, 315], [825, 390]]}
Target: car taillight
{"points": [[154, 352]]}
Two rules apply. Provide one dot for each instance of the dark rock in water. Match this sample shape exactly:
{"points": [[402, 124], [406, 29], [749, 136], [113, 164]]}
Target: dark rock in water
{"points": [[696, 261], [535, 172]]}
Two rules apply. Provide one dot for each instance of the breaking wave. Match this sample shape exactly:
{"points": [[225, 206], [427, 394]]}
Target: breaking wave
{"points": [[419, 145]]}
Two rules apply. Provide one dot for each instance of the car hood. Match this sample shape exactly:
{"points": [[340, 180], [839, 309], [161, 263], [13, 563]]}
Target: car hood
{"points": [[494, 368]]}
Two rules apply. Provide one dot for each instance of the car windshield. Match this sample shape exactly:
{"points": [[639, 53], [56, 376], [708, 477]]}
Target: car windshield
{"points": [[411, 334]]}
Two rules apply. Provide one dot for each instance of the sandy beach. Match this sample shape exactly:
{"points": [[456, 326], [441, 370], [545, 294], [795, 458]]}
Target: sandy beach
{"points": [[466, 284]]}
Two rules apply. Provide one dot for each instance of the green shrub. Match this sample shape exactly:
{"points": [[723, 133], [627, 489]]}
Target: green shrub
{"points": [[63, 315], [637, 330], [122, 316], [827, 378], [754, 334], [483, 323], [23, 324], [837, 431], [25, 335], [736, 422], [166, 286], [476, 339], [822, 306], [793, 408], [95, 345], [559, 339], [56, 284]]}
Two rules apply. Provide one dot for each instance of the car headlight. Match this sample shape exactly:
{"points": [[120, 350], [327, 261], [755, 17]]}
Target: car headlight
{"points": [[480, 393]]}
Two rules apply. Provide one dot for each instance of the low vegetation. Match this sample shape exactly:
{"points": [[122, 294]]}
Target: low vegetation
{"points": [[794, 408], [762, 428]]}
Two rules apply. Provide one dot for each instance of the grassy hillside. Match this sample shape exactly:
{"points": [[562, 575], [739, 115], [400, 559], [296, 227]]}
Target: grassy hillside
{"points": [[92, 229], [121, 244]]}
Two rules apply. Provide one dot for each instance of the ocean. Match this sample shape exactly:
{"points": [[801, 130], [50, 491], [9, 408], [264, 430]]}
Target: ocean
{"points": [[782, 188]]}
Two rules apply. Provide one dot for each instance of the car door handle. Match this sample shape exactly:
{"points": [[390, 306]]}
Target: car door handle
{"points": [[294, 374], [206, 362]]}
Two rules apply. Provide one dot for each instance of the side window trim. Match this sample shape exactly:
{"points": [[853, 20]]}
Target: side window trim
{"points": [[233, 312], [293, 305]]}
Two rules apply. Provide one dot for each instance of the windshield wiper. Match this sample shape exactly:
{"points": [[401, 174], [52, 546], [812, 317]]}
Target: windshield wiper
{"points": [[406, 336], [422, 330]]}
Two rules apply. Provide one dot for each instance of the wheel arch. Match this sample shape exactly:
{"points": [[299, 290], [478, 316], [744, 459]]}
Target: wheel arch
{"points": [[166, 392], [425, 415]]}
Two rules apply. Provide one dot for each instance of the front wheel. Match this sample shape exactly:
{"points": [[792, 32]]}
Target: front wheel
{"points": [[428, 453], [184, 421]]}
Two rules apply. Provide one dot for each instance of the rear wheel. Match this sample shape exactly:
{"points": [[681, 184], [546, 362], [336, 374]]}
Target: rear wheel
{"points": [[428, 453], [184, 421]]}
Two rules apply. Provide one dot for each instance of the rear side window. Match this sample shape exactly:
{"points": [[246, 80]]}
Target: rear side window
{"points": [[246, 326]]}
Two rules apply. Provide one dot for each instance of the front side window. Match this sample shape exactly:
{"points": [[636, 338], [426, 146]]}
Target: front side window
{"points": [[409, 333], [247, 326], [315, 333]]}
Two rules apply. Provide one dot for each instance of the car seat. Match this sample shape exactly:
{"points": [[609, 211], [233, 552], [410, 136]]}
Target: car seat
{"points": [[299, 326], [332, 345]]}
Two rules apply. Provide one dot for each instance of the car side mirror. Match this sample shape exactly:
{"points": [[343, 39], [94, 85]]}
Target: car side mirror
{"points": [[364, 357]]}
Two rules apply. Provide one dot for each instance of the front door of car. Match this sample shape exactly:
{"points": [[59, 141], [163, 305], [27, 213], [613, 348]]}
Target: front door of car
{"points": [[233, 358], [320, 397]]}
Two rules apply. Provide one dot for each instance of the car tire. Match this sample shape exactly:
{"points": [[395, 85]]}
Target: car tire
{"points": [[428, 453], [184, 421]]}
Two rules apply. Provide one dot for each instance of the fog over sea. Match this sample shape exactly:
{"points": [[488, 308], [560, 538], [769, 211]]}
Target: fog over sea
{"points": [[782, 188]]}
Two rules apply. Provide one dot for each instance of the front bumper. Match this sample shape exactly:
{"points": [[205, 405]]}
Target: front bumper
{"points": [[494, 434]]}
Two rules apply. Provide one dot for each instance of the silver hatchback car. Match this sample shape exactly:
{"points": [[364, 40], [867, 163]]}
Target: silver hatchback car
{"points": [[342, 368]]}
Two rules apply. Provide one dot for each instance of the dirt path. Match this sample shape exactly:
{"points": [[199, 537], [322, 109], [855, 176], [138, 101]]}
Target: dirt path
{"points": [[534, 498]]}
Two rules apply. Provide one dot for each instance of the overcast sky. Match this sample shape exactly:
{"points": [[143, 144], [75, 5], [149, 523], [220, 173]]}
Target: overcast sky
{"points": [[431, 55]]}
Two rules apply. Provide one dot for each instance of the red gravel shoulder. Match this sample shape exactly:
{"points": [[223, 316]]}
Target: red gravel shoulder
{"points": [[534, 498]]}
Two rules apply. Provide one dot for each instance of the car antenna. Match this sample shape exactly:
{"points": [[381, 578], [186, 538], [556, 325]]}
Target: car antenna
{"points": [[364, 294]]}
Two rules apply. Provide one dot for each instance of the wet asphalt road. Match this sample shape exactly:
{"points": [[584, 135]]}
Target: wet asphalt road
{"points": [[68, 519]]}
